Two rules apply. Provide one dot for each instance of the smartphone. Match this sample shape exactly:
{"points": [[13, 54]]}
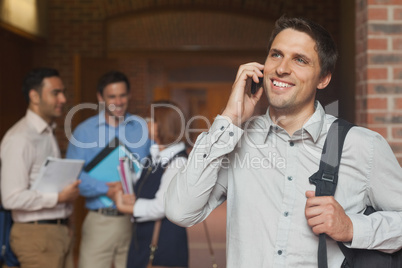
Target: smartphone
{"points": [[255, 86]]}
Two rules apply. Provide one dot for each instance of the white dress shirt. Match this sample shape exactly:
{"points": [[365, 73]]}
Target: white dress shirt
{"points": [[24, 149], [263, 173], [154, 209]]}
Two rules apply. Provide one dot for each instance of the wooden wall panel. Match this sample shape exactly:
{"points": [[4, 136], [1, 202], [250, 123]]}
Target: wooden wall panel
{"points": [[16, 61]]}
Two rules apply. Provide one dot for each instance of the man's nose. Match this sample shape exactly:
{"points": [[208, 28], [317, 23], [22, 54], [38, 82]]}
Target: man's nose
{"points": [[283, 67], [119, 101], [62, 98]]}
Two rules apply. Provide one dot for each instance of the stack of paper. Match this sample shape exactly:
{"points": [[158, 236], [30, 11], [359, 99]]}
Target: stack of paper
{"points": [[125, 175]]}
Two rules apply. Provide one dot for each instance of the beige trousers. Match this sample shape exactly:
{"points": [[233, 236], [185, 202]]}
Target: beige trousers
{"points": [[105, 241], [42, 245]]}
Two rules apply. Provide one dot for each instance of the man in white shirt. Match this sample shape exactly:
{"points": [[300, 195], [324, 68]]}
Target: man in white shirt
{"points": [[262, 166], [40, 236]]}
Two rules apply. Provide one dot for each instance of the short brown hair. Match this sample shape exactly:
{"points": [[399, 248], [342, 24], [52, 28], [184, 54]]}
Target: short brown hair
{"points": [[112, 77], [325, 45], [170, 120]]}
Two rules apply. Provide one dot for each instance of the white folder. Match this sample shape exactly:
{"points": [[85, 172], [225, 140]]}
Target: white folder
{"points": [[57, 173]]}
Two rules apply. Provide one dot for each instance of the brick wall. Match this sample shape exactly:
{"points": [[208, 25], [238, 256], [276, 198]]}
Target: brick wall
{"points": [[379, 65], [137, 72], [74, 27]]}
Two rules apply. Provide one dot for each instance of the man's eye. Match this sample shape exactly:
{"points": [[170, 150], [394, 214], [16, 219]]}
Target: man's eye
{"points": [[275, 55], [301, 60]]}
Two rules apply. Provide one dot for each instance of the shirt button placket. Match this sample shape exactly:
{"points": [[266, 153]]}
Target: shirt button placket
{"points": [[291, 143], [285, 225]]}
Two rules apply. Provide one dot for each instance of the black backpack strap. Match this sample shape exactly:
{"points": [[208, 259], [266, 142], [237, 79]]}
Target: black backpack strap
{"points": [[326, 178]]}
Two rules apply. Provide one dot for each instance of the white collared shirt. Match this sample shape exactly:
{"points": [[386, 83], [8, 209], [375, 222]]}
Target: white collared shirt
{"points": [[24, 148], [263, 173], [154, 209]]}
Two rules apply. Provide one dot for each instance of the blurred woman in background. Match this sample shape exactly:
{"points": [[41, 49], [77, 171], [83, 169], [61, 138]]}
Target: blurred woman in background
{"points": [[167, 156]]}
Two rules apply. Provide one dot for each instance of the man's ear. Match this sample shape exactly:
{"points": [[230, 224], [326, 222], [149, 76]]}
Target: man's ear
{"points": [[324, 81], [99, 96], [34, 96]]}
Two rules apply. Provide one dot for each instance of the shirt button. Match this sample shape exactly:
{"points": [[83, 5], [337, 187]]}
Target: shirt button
{"points": [[280, 252], [205, 155], [231, 134], [291, 143], [290, 178], [222, 127], [286, 214]]}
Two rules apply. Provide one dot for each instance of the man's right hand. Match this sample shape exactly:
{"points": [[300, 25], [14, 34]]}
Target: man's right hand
{"points": [[114, 187], [69, 193], [240, 106]]}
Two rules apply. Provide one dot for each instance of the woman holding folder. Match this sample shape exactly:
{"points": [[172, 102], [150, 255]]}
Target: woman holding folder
{"points": [[168, 154]]}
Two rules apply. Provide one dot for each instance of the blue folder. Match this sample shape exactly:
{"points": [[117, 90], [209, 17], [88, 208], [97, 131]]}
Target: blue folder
{"points": [[104, 165]]}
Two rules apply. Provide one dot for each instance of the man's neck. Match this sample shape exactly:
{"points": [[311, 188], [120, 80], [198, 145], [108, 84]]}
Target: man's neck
{"points": [[291, 121], [113, 120], [35, 110]]}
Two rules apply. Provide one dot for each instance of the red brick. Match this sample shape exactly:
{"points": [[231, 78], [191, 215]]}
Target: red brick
{"points": [[377, 73], [377, 103], [399, 157], [398, 103], [398, 73], [361, 118], [397, 133], [397, 13], [397, 44], [377, 13], [377, 44], [396, 147], [383, 131]]}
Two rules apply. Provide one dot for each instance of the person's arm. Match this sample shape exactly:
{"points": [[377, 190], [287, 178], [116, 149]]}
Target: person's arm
{"points": [[153, 209], [17, 157], [124, 202], [202, 185], [381, 230], [89, 186], [69, 193]]}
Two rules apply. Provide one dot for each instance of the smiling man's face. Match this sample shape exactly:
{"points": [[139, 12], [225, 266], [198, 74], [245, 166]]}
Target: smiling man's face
{"points": [[292, 73], [116, 97]]}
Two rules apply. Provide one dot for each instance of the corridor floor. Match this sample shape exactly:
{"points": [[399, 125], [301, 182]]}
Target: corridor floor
{"points": [[199, 251]]}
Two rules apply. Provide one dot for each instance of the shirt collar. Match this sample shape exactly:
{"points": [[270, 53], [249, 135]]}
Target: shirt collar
{"points": [[102, 119], [38, 123], [315, 123], [313, 126], [170, 152]]}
